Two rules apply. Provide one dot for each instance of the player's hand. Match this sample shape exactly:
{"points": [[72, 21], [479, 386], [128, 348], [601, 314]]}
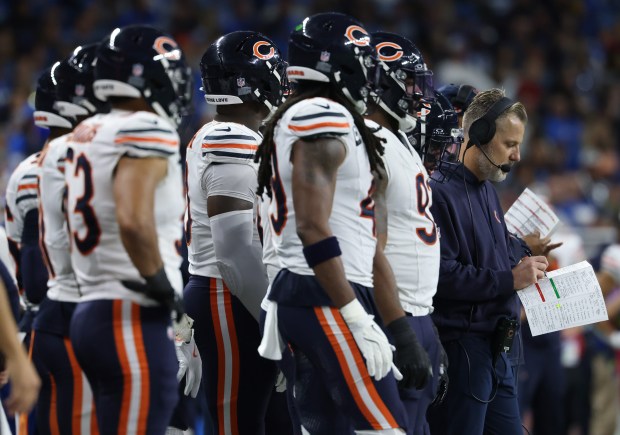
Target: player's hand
{"points": [[25, 385], [529, 271], [190, 364], [410, 357], [158, 288], [538, 245], [370, 339]]}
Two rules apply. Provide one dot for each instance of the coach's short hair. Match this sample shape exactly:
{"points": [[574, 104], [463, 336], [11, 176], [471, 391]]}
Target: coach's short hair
{"points": [[483, 101]]}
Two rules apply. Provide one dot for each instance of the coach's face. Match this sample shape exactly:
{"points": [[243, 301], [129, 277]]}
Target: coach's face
{"points": [[504, 148]]}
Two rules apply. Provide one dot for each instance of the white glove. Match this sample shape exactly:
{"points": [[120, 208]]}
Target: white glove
{"points": [[190, 362], [370, 339]]}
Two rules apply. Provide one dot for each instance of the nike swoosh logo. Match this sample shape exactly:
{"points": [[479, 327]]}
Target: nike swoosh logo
{"points": [[194, 354], [223, 129], [326, 106]]}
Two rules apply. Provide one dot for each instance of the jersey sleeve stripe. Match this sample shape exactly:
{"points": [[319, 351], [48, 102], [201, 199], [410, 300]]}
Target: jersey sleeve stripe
{"points": [[25, 197], [230, 136], [29, 176], [318, 115], [229, 154], [238, 146], [319, 125], [146, 130], [125, 139], [156, 150], [27, 186]]}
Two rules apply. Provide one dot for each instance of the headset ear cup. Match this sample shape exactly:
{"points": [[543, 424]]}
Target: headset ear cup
{"points": [[481, 131]]}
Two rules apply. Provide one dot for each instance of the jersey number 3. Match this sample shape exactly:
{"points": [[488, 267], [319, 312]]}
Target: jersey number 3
{"points": [[83, 206]]}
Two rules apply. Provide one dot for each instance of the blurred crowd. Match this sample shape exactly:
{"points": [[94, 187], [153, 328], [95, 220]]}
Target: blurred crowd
{"points": [[561, 58]]}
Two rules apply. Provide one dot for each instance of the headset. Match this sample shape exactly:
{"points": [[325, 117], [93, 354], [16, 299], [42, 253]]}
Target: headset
{"points": [[482, 130]]}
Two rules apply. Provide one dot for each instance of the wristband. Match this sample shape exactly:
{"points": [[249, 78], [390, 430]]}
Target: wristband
{"points": [[321, 251]]}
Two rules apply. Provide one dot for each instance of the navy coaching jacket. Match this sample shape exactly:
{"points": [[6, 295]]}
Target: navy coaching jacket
{"points": [[475, 284]]}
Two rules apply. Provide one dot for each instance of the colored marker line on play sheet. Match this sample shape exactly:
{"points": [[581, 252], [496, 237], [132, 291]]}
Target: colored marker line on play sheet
{"points": [[555, 289], [540, 292]]}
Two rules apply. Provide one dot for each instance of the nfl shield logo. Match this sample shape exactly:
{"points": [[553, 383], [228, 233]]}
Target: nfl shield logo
{"points": [[240, 82], [325, 55], [137, 69], [79, 90]]}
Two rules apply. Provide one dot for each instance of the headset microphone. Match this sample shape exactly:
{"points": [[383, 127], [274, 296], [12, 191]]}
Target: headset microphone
{"points": [[504, 168]]}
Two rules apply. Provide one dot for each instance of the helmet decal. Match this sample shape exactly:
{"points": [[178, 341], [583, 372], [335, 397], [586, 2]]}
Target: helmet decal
{"points": [[391, 57], [257, 51], [361, 41], [167, 48]]}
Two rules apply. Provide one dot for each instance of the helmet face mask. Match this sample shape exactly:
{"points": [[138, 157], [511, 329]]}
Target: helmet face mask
{"points": [[141, 61], [438, 138], [241, 67], [335, 48]]}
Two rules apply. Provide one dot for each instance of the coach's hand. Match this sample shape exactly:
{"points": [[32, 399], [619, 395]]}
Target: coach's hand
{"points": [[528, 271], [370, 339], [410, 357]]}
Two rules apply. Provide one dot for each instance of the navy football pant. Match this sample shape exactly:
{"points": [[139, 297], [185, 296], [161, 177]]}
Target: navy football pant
{"points": [[238, 382], [333, 390], [65, 402], [127, 352], [472, 383], [416, 401]]}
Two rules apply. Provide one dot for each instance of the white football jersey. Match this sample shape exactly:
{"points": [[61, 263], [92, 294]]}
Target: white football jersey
{"points": [[21, 196], [352, 218], [95, 147], [62, 285], [220, 162], [412, 242], [270, 258]]}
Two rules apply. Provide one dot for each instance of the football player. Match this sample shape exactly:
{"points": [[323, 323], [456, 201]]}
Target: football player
{"points": [[65, 402], [316, 161], [124, 202], [243, 75], [22, 215], [407, 231]]}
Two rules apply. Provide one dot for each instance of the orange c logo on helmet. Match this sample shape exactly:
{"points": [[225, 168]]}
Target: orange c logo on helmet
{"points": [[362, 41], [167, 48], [257, 53], [391, 58]]}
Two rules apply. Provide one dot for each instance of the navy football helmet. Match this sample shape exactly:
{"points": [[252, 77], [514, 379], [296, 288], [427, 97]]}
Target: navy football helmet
{"points": [[403, 64], [334, 47], [244, 66], [46, 112], [141, 61], [74, 91], [438, 137], [460, 96]]}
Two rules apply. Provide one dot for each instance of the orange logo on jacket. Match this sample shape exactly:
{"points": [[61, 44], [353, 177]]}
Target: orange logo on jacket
{"points": [[257, 53], [362, 41], [392, 57]]}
